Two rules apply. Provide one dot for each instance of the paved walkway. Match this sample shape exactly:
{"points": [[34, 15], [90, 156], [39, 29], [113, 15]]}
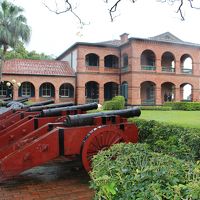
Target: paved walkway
{"points": [[56, 180]]}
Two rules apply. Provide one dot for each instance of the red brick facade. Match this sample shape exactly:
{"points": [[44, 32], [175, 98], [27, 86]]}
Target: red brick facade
{"points": [[145, 71]]}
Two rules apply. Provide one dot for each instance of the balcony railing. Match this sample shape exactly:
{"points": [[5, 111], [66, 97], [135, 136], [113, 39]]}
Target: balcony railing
{"points": [[148, 67], [124, 69], [148, 102], [168, 69], [89, 100], [186, 71]]}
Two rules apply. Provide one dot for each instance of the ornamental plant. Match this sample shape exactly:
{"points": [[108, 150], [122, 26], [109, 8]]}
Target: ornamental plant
{"points": [[134, 172]]}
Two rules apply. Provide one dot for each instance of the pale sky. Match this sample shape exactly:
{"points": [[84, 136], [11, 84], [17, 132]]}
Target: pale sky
{"points": [[52, 34]]}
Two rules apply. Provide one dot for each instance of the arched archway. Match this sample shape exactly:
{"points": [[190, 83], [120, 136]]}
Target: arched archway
{"points": [[186, 64], [167, 91], [110, 90], [148, 60], [186, 92], [168, 62], [92, 92], [26, 89], [47, 90], [147, 93]]}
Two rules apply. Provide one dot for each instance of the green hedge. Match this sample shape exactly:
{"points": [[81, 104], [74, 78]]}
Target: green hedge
{"points": [[163, 108], [189, 106], [134, 172], [175, 140], [117, 103]]}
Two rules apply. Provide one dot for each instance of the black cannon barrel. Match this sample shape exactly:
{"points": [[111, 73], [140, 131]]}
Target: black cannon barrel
{"points": [[58, 111], [88, 119], [44, 107], [22, 99], [42, 103]]}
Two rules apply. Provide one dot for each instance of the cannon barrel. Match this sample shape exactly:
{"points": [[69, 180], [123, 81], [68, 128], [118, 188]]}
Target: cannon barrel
{"points": [[88, 119], [58, 111], [42, 103], [44, 107], [20, 100]]}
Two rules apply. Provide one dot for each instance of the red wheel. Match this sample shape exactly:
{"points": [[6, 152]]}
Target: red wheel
{"points": [[98, 139]]}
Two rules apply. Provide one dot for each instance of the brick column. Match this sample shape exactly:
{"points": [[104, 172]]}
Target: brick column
{"points": [[135, 96], [177, 94], [101, 94], [158, 66], [81, 95], [57, 98], [37, 98], [158, 95], [195, 94]]}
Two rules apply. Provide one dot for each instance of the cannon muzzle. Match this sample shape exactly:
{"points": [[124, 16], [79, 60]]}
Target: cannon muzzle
{"points": [[44, 107], [58, 111], [88, 119]]}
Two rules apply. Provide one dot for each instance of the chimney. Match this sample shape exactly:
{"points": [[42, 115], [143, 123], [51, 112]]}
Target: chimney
{"points": [[124, 37]]}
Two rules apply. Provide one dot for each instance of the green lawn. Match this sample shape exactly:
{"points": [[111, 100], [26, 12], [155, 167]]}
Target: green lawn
{"points": [[183, 118]]}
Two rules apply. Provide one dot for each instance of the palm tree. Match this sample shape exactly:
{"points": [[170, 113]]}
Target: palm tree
{"points": [[13, 29]]}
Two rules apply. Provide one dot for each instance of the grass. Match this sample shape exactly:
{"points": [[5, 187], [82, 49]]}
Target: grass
{"points": [[184, 118]]}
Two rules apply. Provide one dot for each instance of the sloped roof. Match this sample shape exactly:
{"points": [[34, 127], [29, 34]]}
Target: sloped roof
{"points": [[114, 43], [38, 67]]}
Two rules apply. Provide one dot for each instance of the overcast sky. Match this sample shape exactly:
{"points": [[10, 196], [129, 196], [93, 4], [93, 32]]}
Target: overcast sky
{"points": [[52, 34]]}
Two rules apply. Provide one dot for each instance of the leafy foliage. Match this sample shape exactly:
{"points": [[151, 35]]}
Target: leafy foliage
{"points": [[189, 106], [174, 140], [133, 171], [117, 103]]}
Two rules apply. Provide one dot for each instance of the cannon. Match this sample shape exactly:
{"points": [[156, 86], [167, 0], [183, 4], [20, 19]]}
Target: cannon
{"points": [[15, 115], [74, 141], [58, 111], [33, 121]]}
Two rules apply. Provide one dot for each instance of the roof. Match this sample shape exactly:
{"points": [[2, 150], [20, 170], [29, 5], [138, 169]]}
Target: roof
{"points": [[38, 67], [166, 37]]}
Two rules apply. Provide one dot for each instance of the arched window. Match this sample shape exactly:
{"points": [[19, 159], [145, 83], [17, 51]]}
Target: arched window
{"points": [[66, 90], [26, 89], [92, 60], [111, 61], [3, 90], [47, 90]]}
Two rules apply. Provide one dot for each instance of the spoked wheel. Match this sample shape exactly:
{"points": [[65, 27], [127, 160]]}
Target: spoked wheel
{"points": [[99, 138]]}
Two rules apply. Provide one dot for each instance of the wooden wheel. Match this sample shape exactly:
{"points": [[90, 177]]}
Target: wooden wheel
{"points": [[98, 139]]}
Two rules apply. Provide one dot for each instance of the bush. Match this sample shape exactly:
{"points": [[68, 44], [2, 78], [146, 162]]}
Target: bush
{"points": [[170, 139], [163, 108], [189, 106], [117, 103], [133, 171]]}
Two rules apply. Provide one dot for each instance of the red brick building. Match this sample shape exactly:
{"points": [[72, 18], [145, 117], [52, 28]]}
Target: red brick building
{"points": [[145, 71]]}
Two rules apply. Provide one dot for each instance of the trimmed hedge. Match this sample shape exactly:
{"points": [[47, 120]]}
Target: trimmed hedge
{"points": [[163, 108], [134, 172], [183, 143], [189, 106], [117, 103]]}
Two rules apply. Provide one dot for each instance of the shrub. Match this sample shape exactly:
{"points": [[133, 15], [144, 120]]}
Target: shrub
{"points": [[189, 106], [133, 171], [117, 103], [170, 139], [163, 108]]}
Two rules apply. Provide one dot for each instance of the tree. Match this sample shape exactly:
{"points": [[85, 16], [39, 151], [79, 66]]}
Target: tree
{"points": [[13, 29], [20, 52], [62, 6]]}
